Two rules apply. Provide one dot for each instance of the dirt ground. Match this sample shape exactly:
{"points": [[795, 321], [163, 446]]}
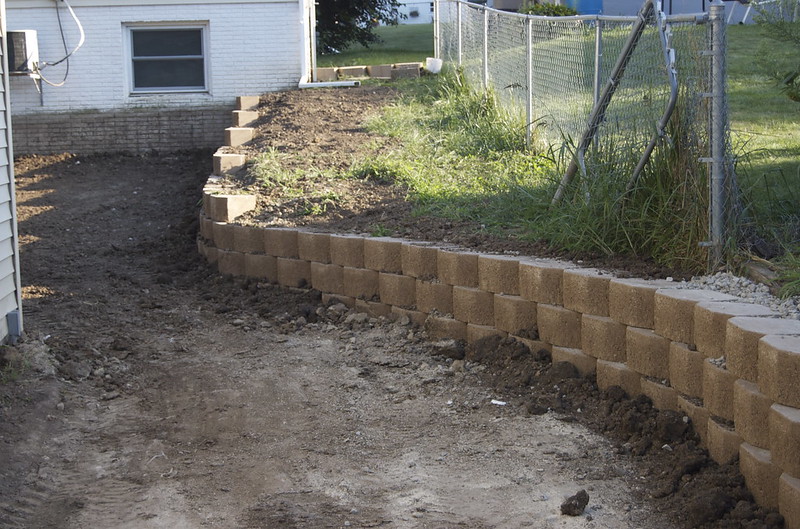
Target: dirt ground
{"points": [[152, 393]]}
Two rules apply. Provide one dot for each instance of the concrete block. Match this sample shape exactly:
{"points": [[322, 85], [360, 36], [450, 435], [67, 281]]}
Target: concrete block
{"points": [[723, 442], [515, 315], [663, 397], [586, 291], [244, 118], [632, 301], [586, 365], [396, 289], [352, 71], [347, 250], [710, 322], [673, 311], [261, 267], [248, 239], [789, 500], [434, 297], [405, 73], [313, 246], [750, 413], [439, 328], [206, 227], [226, 208], [541, 280], [332, 299], [686, 369], [415, 317], [326, 75], [784, 438], [328, 278], [534, 345], [479, 332], [419, 260], [383, 254], [230, 263], [212, 254], [718, 390], [647, 352], [408, 65], [360, 282], [457, 268], [281, 242], [779, 369], [741, 341], [618, 374], [760, 474], [558, 326], [235, 136], [498, 274], [227, 163], [294, 272], [603, 338], [224, 237], [380, 71], [247, 102], [373, 308], [472, 305], [698, 415]]}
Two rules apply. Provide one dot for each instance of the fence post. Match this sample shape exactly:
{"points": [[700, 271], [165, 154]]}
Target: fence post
{"points": [[529, 126], [598, 57], [437, 51], [485, 48], [458, 25], [719, 120]]}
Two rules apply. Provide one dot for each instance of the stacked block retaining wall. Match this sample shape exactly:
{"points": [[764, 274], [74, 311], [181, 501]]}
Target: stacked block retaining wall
{"points": [[733, 368]]}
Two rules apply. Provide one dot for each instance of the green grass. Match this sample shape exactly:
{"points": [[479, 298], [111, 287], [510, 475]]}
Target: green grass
{"points": [[403, 43]]}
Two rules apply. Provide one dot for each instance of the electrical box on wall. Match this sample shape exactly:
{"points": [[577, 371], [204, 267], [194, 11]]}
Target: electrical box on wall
{"points": [[23, 52]]}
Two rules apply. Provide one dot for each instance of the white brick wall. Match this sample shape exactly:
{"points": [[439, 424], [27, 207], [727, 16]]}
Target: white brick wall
{"points": [[253, 48]]}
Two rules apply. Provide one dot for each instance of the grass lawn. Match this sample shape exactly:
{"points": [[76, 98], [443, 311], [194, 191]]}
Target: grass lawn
{"points": [[403, 43]]}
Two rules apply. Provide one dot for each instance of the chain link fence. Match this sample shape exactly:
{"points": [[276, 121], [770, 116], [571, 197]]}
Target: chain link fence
{"points": [[620, 95]]}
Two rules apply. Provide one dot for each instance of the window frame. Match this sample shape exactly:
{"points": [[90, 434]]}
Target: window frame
{"points": [[131, 27]]}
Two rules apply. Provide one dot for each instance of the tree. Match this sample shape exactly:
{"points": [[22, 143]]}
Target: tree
{"points": [[343, 22], [782, 18]]}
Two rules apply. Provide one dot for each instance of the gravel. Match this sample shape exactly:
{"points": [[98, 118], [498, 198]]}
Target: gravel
{"points": [[748, 291]]}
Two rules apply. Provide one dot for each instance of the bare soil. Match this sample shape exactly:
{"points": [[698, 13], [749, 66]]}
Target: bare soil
{"points": [[150, 392]]}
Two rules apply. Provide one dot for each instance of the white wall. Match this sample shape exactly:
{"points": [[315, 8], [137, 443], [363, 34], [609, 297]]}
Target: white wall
{"points": [[255, 47], [423, 9]]}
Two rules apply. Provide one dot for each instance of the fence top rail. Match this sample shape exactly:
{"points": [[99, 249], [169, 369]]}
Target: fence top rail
{"points": [[697, 18]]}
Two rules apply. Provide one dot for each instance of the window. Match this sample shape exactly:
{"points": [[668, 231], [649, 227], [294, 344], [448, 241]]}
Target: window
{"points": [[167, 59]]}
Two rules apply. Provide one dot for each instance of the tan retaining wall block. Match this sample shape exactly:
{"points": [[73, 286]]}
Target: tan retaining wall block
{"points": [[294, 272], [373, 308], [617, 374], [632, 301], [760, 474], [718, 390], [542, 280], [314, 246], [352, 71], [686, 370], [558, 326], [741, 342], [784, 438], [247, 102], [347, 250], [206, 227], [699, 416], [226, 163], [439, 328], [586, 365], [261, 267], [472, 305], [751, 413], [673, 315], [235, 136], [723, 442], [457, 269], [383, 254], [244, 118], [586, 291], [281, 242], [396, 289], [498, 274], [360, 282], [248, 239], [514, 314], [415, 317], [226, 208], [789, 500], [434, 297], [663, 397], [710, 322], [328, 278], [419, 260], [603, 338], [648, 353], [779, 369], [479, 332], [230, 263], [224, 235]]}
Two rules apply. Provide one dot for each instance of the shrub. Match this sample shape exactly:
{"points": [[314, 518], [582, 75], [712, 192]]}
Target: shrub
{"points": [[548, 10]]}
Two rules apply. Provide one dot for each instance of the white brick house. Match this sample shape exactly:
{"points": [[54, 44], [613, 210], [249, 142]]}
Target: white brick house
{"points": [[152, 74]]}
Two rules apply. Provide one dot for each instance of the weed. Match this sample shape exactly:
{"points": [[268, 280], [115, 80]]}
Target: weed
{"points": [[379, 230]]}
